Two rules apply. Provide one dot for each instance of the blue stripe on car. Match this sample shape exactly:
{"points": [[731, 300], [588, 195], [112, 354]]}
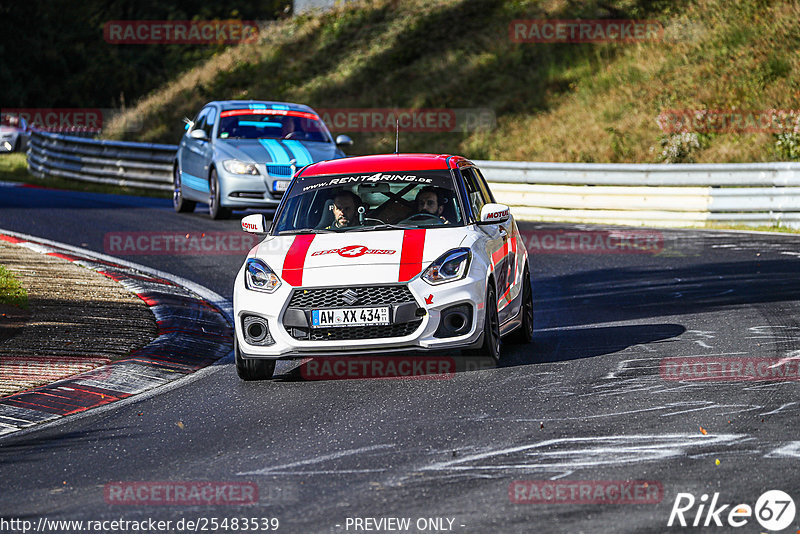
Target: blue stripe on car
{"points": [[300, 153], [257, 106], [279, 106], [276, 152], [194, 182]]}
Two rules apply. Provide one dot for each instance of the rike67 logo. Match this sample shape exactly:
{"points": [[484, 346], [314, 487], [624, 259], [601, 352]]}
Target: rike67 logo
{"points": [[774, 510]]}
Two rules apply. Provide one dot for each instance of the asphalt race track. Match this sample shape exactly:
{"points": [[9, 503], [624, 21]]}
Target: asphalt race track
{"points": [[587, 401]]}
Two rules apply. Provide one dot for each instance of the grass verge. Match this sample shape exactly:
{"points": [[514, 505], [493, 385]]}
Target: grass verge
{"points": [[570, 102], [11, 291]]}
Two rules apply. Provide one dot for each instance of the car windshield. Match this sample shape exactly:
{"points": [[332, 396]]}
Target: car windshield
{"points": [[271, 124], [374, 201], [12, 121]]}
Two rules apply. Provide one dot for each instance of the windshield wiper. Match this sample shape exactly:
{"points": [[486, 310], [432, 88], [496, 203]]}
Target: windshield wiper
{"points": [[379, 227], [306, 231]]}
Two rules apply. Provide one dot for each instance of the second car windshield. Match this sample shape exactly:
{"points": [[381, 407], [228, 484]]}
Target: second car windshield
{"points": [[257, 124], [358, 202]]}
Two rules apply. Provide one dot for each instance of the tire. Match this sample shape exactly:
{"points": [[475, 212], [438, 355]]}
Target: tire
{"points": [[17, 145], [252, 369], [215, 209], [524, 334], [180, 204], [492, 343]]}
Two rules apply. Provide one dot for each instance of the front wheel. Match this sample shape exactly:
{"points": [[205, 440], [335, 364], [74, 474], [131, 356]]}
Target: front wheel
{"points": [[180, 204], [215, 208], [252, 369], [491, 328], [524, 334]]}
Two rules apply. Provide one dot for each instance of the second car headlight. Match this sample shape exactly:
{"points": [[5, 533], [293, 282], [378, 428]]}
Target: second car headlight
{"points": [[450, 266], [234, 166], [259, 277]]}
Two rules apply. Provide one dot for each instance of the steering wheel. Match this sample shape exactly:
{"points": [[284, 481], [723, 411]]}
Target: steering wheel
{"points": [[373, 219], [422, 217]]}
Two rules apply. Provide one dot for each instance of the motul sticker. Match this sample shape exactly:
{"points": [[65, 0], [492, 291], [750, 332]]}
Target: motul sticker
{"points": [[498, 214]]}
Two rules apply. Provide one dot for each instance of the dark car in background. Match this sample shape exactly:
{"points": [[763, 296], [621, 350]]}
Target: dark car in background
{"points": [[240, 154], [14, 133]]}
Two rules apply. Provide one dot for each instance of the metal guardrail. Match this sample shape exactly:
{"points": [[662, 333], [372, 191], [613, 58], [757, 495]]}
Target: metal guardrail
{"points": [[632, 194], [649, 194], [143, 165]]}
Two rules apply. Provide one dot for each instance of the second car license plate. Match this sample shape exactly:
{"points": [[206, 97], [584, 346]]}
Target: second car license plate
{"points": [[280, 185], [350, 317]]}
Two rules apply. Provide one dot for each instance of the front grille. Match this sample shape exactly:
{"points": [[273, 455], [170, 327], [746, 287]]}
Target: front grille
{"points": [[279, 170], [361, 332], [316, 298], [367, 296]]}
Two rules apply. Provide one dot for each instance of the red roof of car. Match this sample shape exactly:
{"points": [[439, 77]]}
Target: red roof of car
{"points": [[385, 163]]}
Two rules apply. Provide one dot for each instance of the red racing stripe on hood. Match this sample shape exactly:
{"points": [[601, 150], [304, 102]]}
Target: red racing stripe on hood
{"points": [[296, 259], [411, 254]]}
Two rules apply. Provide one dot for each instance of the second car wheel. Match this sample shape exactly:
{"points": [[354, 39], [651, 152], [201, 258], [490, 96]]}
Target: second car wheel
{"points": [[215, 208], [252, 369], [180, 204]]}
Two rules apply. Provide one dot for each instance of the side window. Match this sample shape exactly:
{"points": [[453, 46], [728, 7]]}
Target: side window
{"points": [[211, 118], [487, 193], [200, 120], [476, 196]]}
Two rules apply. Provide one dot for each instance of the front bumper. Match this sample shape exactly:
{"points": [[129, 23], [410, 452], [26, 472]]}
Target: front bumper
{"points": [[244, 190], [8, 143], [432, 299]]}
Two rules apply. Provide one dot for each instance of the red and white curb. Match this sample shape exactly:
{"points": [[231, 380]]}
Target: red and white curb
{"points": [[194, 331]]}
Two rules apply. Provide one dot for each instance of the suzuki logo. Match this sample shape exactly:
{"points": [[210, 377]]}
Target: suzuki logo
{"points": [[349, 296]]}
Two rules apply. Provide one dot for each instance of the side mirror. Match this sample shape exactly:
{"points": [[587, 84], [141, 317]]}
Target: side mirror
{"points": [[494, 213], [343, 140], [255, 224], [199, 134]]}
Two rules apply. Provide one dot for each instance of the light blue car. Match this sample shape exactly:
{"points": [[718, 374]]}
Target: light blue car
{"points": [[239, 154]]}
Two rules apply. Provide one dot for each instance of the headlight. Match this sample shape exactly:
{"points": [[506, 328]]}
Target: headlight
{"points": [[259, 277], [234, 166], [452, 265]]}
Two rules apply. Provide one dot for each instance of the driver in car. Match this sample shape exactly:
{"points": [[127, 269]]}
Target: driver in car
{"points": [[345, 205], [431, 202], [290, 129]]}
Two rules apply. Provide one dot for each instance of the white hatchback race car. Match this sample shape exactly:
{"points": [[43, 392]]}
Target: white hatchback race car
{"points": [[381, 254]]}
